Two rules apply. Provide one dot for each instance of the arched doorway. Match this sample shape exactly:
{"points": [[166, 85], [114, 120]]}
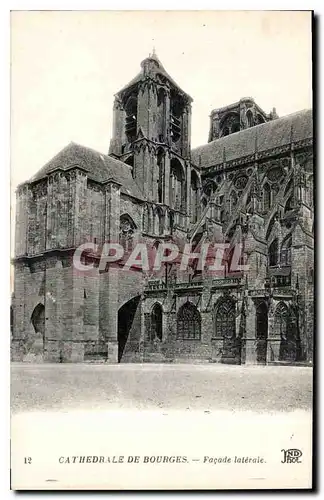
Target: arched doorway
{"points": [[127, 321], [38, 319], [156, 322], [261, 333], [38, 322]]}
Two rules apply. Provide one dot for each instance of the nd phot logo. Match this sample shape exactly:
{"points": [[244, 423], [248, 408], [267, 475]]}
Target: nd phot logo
{"points": [[291, 456]]}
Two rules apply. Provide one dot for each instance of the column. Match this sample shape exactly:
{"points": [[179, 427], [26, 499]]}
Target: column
{"points": [[108, 281], [250, 341]]}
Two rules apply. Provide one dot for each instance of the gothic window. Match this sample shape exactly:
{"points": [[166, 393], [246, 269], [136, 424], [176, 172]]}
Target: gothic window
{"points": [[127, 228], [286, 252], [230, 124], [159, 219], [188, 322], [146, 219], [273, 253], [281, 320], [177, 107], [249, 119], [131, 118], [266, 197], [156, 322], [224, 319], [160, 181], [194, 196], [161, 115], [177, 186], [209, 188]]}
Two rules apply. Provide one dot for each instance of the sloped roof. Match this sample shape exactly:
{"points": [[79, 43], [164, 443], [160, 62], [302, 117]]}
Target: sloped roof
{"points": [[275, 133], [99, 167], [161, 70]]}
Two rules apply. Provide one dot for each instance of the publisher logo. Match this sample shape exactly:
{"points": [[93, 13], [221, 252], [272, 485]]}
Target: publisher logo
{"points": [[291, 456]]}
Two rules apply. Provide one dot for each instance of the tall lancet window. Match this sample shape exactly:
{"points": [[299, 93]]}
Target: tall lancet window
{"points": [[160, 180]]}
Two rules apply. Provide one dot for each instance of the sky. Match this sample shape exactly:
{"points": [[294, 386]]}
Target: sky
{"points": [[66, 67]]}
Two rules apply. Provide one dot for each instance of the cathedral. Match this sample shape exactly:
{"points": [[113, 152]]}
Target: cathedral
{"points": [[251, 184]]}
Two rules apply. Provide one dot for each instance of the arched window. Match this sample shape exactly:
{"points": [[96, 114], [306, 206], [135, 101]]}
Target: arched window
{"points": [[127, 228], [131, 118], [156, 322], [146, 219], [273, 253], [285, 256], [161, 115], [194, 196], [209, 188], [177, 107], [281, 320], [159, 221], [224, 319], [160, 181], [188, 322], [249, 119], [266, 197], [177, 185]]}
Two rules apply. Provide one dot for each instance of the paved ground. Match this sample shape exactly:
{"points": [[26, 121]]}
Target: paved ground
{"points": [[154, 386]]}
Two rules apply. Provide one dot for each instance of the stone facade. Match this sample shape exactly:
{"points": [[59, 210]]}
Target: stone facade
{"points": [[252, 184]]}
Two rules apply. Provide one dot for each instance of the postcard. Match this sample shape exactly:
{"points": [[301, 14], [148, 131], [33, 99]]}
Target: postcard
{"points": [[162, 309]]}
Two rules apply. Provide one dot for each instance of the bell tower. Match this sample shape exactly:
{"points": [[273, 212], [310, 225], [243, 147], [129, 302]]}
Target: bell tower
{"points": [[151, 133]]}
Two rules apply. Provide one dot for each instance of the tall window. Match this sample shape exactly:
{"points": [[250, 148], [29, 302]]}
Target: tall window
{"points": [[160, 181], [281, 320], [131, 118], [177, 187], [224, 318], [188, 322], [273, 253], [146, 219], [194, 196], [285, 256], [249, 119], [126, 232]]}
